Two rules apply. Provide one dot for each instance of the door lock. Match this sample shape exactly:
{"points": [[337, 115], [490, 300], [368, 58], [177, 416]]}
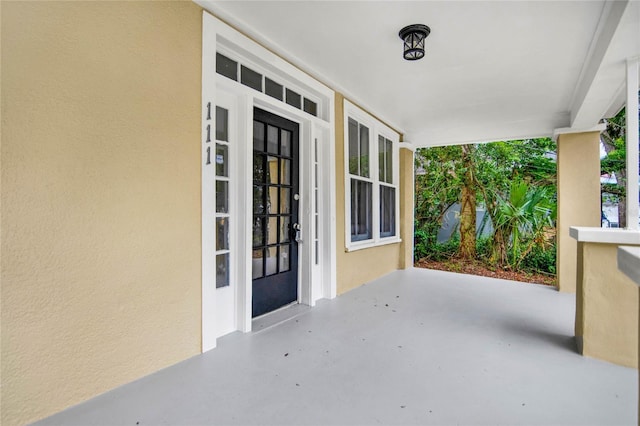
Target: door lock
{"points": [[297, 235]]}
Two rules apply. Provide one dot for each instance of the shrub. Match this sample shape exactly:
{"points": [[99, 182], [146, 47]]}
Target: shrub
{"points": [[540, 260], [424, 248]]}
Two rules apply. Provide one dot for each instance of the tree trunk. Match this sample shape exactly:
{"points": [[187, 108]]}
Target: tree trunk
{"points": [[622, 212], [499, 249], [468, 206]]}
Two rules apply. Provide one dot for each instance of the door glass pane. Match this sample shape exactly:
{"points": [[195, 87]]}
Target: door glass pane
{"points": [[285, 229], [222, 270], [273, 89], [364, 151], [222, 233], [271, 260], [256, 264], [258, 199], [285, 201], [285, 178], [285, 143], [272, 139], [272, 230], [226, 67], [284, 258], [272, 170], [258, 231], [222, 154], [258, 136], [258, 168], [353, 147], [222, 197], [222, 124], [250, 78], [272, 200]]}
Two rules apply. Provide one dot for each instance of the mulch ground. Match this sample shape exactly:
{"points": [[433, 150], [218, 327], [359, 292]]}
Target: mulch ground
{"points": [[475, 267]]}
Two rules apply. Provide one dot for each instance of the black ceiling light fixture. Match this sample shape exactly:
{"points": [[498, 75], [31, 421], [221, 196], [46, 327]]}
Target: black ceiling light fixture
{"points": [[413, 37]]}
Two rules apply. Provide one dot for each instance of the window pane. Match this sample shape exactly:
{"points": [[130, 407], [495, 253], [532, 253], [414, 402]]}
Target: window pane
{"points": [[272, 200], [364, 151], [222, 124], [258, 168], [222, 154], [258, 199], [222, 233], [381, 159], [389, 161], [285, 201], [294, 99], [285, 229], [285, 177], [284, 258], [272, 139], [258, 136], [250, 78], [226, 67], [256, 264], [222, 270], [310, 107], [258, 231], [360, 210], [353, 147], [271, 260], [222, 197], [272, 170], [285, 143], [272, 230], [273, 89], [387, 211]]}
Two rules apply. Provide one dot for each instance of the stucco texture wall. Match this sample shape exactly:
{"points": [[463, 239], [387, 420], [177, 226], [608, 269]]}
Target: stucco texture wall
{"points": [[361, 266], [578, 198], [606, 306], [100, 197]]}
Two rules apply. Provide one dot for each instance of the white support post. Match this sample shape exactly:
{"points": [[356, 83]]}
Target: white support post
{"points": [[632, 144]]}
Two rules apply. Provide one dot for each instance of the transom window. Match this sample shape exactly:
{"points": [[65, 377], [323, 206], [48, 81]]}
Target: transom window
{"points": [[371, 180]]}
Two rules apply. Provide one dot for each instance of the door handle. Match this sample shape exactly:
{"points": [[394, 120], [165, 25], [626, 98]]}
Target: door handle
{"points": [[296, 231]]}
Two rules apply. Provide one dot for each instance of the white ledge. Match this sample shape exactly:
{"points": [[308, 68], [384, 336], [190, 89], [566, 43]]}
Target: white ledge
{"points": [[629, 262], [605, 235]]}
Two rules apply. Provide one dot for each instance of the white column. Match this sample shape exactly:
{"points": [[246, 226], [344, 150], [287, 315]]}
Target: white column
{"points": [[632, 144]]}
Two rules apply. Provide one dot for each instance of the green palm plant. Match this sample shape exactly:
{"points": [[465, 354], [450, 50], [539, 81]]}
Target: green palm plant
{"points": [[521, 221]]}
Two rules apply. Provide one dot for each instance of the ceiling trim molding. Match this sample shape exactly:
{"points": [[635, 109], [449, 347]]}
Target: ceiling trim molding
{"points": [[407, 145], [568, 130]]}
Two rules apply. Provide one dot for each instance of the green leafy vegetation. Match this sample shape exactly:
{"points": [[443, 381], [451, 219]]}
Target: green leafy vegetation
{"points": [[514, 182]]}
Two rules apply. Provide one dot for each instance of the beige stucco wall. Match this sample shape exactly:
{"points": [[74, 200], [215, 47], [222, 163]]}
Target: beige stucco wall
{"points": [[361, 266], [578, 198], [607, 308], [407, 210], [100, 197]]}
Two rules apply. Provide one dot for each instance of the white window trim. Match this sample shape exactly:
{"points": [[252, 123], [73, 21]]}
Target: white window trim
{"points": [[375, 128]]}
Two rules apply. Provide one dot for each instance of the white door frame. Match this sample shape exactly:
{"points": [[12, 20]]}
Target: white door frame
{"points": [[317, 252]]}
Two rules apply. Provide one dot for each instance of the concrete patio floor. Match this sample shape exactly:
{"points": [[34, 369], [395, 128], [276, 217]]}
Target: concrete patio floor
{"points": [[414, 347]]}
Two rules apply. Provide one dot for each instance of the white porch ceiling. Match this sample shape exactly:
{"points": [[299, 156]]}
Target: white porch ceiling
{"points": [[493, 70]]}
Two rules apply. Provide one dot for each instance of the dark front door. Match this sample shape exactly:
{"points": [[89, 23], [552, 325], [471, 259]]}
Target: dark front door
{"points": [[275, 212]]}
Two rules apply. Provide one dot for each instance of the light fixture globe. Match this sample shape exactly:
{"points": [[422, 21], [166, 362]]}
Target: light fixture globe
{"points": [[413, 37]]}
